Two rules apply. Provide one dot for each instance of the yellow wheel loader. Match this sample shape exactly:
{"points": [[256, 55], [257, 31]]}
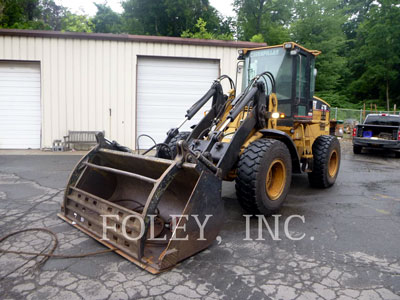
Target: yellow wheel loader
{"points": [[158, 210]]}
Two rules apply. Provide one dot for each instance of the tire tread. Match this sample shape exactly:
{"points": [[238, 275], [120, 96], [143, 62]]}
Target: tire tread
{"points": [[320, 148], [248, 168]]}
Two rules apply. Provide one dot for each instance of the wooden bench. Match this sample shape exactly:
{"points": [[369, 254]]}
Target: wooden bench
{"points": [[81, 140]]}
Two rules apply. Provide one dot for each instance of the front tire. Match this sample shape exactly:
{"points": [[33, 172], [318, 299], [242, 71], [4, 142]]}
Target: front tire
{"points": [[326, 163], [264, 176]]}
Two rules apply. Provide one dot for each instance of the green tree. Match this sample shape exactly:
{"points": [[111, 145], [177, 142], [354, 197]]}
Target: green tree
{"points": [[356, 12], [170, 17], [31, 14], [202, 33], [145, 17], [270, 18], [257, 38], [319, 26], [76, 23], [106, 20], [376, 56], [21, 14], [52, 14]]}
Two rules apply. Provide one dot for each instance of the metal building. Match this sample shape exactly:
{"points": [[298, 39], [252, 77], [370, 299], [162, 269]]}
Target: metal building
{"points": [[126, 85]]}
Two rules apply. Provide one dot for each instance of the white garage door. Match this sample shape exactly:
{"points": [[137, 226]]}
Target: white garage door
{"points": [[166, 88], [19, 105]]}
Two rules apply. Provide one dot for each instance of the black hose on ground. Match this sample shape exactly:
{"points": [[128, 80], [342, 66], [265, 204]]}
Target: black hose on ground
{"points": [[47, 255]]}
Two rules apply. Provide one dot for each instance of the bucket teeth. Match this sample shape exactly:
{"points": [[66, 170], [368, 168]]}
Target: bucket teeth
{"points": [[146, 207]]}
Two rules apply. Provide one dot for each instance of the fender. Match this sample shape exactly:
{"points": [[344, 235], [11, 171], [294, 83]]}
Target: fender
{"points": [[287, 140]]}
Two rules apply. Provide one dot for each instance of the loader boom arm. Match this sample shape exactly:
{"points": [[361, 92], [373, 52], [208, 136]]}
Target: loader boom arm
{"points": [[218, 102], [224, 155], [203, 100]]}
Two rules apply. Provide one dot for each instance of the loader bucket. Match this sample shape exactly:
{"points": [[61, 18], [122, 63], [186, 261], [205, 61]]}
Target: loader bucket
{"points": [[132, 202]]}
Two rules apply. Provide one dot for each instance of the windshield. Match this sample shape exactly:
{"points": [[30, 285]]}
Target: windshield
{"points": [[382, 120], [275, 60]]}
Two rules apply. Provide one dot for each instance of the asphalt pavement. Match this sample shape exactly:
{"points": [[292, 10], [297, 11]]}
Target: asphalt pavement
{"points": [[349, 246]]}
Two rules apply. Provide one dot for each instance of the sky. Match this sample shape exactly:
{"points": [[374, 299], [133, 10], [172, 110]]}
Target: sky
{"points": [[87, 6]]}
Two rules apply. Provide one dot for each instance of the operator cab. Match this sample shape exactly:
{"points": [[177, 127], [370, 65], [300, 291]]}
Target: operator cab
{"points": [[293, 68]]}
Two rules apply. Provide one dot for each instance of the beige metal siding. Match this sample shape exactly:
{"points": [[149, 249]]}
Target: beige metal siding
{"points": [[81, 80]]}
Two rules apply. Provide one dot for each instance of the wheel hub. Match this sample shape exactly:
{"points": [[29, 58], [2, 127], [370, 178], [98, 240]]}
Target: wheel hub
{"points": [[333, 163], [276, 179]]}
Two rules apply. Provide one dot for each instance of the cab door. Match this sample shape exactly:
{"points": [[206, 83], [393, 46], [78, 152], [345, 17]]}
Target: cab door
{"points": [[302, 86]]}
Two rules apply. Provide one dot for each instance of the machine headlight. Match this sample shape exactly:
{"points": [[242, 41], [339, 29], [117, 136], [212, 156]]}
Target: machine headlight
{"points": [[241, 54], [288, 46], [275, 115]]}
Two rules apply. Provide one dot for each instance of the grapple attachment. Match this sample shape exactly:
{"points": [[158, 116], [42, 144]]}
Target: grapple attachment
{"points": [[151, 209]]}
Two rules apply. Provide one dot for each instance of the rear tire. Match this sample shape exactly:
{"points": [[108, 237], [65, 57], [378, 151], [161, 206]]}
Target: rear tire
{"points": [[165, 153], [264, 176], [326, 163], [357, 149]]}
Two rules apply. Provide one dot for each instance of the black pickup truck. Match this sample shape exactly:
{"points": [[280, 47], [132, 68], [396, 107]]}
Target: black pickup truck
{"points": [[378, 131]]}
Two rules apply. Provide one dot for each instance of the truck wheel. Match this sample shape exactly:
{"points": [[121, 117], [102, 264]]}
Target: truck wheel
{"points": [[357, 149], [165, 153], [326, 151], [263, 177]]}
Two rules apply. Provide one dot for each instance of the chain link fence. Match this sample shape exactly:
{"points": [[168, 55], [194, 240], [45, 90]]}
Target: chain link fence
{"points": [[355, 115], [349, 118]]}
